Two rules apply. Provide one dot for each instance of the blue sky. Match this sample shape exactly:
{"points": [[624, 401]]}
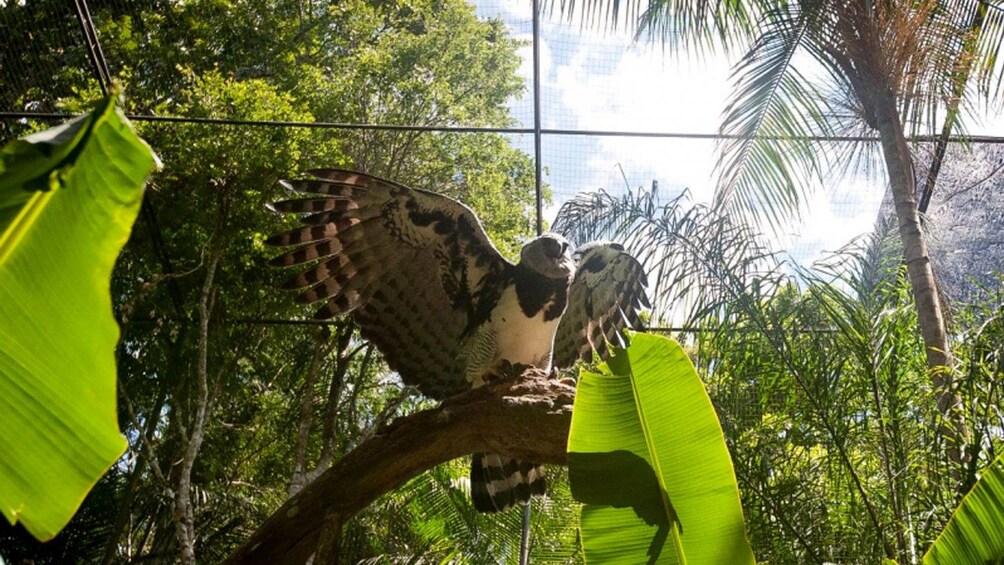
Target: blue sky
{"points": [[594, 80]]}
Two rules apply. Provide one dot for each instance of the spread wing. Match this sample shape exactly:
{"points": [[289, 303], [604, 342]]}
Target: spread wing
{"points": [[414, 268], [606, 296]]}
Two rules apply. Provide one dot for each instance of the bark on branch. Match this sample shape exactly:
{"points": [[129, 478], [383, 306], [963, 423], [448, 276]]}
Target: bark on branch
{"points": [[526, 418]]}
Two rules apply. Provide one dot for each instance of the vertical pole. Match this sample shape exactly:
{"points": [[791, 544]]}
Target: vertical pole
{"points": [[94, 52], [524, 545], [537, 177], [524, 542]]}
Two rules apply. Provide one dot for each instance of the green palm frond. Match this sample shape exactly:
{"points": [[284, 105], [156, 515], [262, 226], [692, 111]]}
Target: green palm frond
{"points": [[701, 26], [695, 27], [988, 43], [858, 153], [602, 14], [766, 165]]}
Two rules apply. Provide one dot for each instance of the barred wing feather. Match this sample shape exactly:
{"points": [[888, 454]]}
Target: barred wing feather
{"points": [[605, 298], [414, 268]]}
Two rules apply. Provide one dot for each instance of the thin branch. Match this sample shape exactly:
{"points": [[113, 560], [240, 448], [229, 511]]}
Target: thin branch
{"points": [[973, 185]]}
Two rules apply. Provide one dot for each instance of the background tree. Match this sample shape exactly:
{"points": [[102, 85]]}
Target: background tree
{"points": [[895, 66], [818, 377], [226, 415]]}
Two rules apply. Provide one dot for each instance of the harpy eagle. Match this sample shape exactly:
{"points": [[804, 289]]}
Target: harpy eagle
{"points": [[424, 283]]}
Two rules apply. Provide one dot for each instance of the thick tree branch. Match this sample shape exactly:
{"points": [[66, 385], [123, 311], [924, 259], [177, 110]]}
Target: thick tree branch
{"points": [[527, 419]]}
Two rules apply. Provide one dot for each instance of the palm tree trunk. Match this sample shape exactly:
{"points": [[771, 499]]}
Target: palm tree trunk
{"points": [[899, 166], [901, 180]]}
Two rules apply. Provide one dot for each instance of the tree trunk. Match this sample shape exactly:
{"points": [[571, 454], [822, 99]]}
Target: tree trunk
{"points": [[184, 514], [899, 165], [307, 413]]}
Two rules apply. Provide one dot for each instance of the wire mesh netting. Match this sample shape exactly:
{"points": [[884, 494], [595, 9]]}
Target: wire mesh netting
{"points": [[235, 94], [615, 113]]}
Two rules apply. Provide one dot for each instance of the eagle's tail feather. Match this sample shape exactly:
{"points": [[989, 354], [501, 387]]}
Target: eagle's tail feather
{"points": [[499, 482]]}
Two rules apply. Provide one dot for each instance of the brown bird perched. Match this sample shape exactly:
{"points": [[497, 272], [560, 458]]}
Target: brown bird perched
{"points": [[420, 277]]}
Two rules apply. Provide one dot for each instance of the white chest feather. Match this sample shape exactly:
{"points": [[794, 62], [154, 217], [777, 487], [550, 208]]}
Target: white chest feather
{"points": [[510, 336], [519, 339]]}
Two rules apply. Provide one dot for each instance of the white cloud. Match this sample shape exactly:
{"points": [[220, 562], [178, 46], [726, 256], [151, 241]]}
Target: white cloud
{"points": [[526, 67], [594, 80], [834, 217], [643, 91], [607, 84]]}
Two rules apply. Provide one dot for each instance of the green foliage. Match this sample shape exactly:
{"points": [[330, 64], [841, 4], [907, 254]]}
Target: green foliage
{"points": [[68, 199], [973, 535], [687, 249], [824, 397], [432, 517], [426, 62], [635, 423], [819, 380]]}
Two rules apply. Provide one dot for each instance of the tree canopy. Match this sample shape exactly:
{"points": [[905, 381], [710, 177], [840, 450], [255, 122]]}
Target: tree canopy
{"points": [[224, 409]]}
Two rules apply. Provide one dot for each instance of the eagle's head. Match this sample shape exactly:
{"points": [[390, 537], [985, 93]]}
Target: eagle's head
{"points": [[549, 255]]}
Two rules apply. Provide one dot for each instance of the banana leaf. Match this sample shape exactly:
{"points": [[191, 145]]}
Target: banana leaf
{"points": [[648, 460], [68, 198], [975, 533]]}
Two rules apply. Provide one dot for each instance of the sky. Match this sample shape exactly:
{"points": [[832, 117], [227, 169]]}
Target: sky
{"points": [[595, 80]]}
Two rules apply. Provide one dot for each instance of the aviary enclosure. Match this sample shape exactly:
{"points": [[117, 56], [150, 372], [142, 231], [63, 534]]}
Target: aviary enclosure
{"points": [[763, 206]]}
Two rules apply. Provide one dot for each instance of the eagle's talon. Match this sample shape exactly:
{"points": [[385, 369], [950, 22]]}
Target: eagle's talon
{"points": [[507, 371], [518, 369], [568, 381]]}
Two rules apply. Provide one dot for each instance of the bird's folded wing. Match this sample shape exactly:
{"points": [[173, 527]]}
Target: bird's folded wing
{"points": [[606, 297], [415, 269]]}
